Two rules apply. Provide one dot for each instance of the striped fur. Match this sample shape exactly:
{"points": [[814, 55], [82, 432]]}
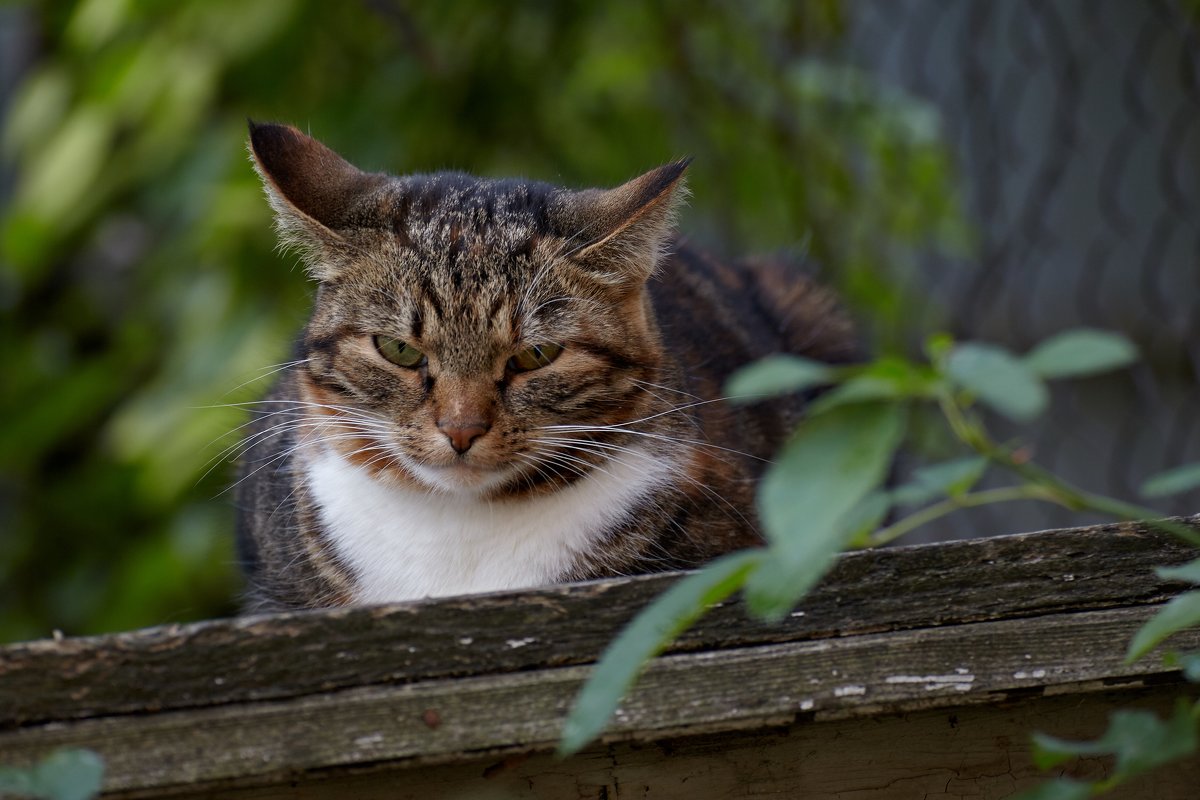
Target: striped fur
{"points": [[616, 458]]}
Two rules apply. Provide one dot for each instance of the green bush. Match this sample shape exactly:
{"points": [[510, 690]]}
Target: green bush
{"points": [[140, 284]]}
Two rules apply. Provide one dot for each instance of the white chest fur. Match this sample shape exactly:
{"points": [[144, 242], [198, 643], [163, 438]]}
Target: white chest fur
{"points": [[405, 545]]}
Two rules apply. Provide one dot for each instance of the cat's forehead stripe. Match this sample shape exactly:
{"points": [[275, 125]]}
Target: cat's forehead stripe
{"points": [[428, 294], [415, 325], [448, 204]]}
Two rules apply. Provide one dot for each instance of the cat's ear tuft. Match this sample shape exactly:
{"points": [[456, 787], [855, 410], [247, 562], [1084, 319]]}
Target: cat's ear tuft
{"points": [[624, 231], [315, 192]]}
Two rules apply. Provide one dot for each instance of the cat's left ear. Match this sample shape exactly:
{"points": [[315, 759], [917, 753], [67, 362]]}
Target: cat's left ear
{"points": [[623, 232]]}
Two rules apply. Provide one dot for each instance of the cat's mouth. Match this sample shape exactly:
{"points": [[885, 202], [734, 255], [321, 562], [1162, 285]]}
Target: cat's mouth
{"points": [[460, 476]]}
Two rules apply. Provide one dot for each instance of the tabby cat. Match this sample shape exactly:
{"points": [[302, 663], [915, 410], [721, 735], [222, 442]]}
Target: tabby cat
{"points": [[505, 384]]}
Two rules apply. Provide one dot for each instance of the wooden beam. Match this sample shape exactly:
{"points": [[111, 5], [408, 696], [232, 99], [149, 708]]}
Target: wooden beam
{"points": [[742, 688], [909, 631], [977, 752], [290, 655]]}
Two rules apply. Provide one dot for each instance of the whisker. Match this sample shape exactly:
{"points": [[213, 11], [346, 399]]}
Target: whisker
{"points": [[650, 435], [674, 410], [584, 463], [286, 454], [298, 403], [243, 446], [554, 300], [303, 420], [666, 388], [677, 473], [269, 371]]}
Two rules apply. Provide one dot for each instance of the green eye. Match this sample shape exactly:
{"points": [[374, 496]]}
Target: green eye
{"points": [[535, 357], [399, 353]]}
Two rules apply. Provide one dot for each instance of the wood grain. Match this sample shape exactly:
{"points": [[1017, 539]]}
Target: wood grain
{"points": [[686, 694], [290, 655], [980, 752], [469, 694]]}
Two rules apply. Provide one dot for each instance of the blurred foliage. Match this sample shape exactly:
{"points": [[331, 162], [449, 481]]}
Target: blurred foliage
{"points": [[62, 775], [139, 284], [830, 486]]}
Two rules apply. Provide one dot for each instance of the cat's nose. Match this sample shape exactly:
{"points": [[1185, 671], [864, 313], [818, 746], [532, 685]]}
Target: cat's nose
{"points": [[461, 435]]}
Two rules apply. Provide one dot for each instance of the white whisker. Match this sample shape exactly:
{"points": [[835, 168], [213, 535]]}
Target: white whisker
{"points": [[666, 388], [268, 372], [649, 435]]}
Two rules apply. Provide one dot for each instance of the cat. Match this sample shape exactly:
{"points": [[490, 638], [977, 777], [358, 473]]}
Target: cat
{"points": [[506, 384]]}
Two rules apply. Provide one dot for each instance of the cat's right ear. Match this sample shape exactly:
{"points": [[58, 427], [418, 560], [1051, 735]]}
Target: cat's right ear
{"points": [[623, 232], [316, 194]]}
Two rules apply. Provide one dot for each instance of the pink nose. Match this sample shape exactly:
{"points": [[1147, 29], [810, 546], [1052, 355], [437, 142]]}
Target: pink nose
{"points": [[461, 435]]}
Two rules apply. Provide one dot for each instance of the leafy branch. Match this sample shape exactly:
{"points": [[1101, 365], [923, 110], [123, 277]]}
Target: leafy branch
{"points": [[828, 491]]}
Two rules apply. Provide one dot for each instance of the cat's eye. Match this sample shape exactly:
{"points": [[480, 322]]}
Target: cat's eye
{"points": [[399, 353], [534, 357]]}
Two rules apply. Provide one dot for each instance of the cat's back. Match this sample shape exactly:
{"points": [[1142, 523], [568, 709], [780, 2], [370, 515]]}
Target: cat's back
{"points": [[717, 316]]}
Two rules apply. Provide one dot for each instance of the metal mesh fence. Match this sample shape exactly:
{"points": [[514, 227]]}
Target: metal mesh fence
{"points": [[1076, 126]]}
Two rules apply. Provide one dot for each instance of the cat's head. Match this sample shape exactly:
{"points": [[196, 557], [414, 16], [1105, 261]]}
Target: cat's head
{"points": [[469, 335]]}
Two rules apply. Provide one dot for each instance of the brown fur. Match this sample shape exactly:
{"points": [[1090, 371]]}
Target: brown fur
{"points": [[470, 272]]}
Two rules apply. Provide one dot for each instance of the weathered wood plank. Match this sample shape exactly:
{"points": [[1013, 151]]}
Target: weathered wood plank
{"points": [[686, 694], [292, 655], [978, 752]]}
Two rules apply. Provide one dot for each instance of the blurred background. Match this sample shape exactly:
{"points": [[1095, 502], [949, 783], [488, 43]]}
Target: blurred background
{"points": [[1003, 170]]}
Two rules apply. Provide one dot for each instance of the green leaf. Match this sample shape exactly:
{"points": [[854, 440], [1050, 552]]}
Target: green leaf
{"points": [[1189, 573], [1081, 352], [71, 164], [829, 466], [1191, 667], [1057, 789], [998, 379], [1188, 662], [1182, 612], [18, 781], [1172, 481], [861, 389], [886, 379], [1139, 740], [948, 478], [643, 638], [866, 517], [62, 775], [71, 775], [777, 374]]}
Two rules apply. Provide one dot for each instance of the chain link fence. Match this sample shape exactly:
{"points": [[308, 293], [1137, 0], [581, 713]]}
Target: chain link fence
{"points": [[1076, 128]]}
